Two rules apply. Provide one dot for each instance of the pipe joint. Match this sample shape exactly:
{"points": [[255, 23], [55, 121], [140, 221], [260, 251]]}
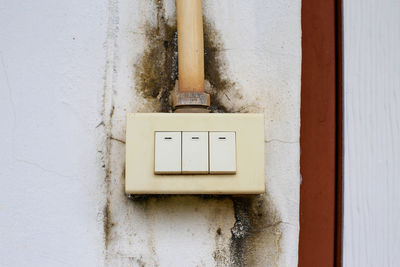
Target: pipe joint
{"points": [[191, 101]]}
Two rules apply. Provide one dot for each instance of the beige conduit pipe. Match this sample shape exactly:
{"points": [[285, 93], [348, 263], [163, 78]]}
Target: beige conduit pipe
{"points": [[191, 96]]}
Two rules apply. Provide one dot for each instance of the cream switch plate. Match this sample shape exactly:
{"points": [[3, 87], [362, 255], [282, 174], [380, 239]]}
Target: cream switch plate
{"points": [[194, 152], [222, 152], [141, 158], [167, 152]]}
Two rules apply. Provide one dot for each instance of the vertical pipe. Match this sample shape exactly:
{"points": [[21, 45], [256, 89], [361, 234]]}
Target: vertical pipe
{"points": [[190, 46]]}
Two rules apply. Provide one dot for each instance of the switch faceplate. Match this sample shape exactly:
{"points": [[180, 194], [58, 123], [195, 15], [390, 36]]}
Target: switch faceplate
{"points": [[167, 152], [222, 152], [194, 152], [140, 177]]}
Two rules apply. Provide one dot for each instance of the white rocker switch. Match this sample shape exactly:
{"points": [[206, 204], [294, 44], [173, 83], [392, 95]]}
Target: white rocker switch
{"points": [[167, 152], [195, 152], [222, 152]]}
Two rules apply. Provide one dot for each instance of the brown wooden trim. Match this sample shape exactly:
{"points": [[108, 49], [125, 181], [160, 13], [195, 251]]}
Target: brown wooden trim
{"points": [[339, 136], [320, 135]]}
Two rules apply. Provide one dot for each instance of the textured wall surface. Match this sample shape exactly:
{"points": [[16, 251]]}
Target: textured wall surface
{"points": [[69, 73], [51, 86]]}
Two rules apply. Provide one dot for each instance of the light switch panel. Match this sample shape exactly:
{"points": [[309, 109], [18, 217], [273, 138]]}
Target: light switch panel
{"points": [[167, 152], [194, 152], [222, 152], [153, 163]]}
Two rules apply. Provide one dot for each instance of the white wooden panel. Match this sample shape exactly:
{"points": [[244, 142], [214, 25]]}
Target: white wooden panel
{"points": [[372, 133]]}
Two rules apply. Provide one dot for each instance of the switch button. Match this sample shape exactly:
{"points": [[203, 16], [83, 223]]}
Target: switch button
{"points": [[222, 152], [195, 152], [167, 152]]}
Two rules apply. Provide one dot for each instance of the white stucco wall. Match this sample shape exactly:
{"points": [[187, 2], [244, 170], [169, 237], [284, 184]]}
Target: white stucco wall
{"points": [[69, 73], [51, 78]]}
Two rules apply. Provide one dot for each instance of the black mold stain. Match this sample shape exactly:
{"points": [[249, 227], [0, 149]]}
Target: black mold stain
{"points": [[137, 262], [107, 223], [219, 232], [241, 230], [107, 217], [254, 215], [156, 76], [145, 198], [214, 67], [157, 69]]}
